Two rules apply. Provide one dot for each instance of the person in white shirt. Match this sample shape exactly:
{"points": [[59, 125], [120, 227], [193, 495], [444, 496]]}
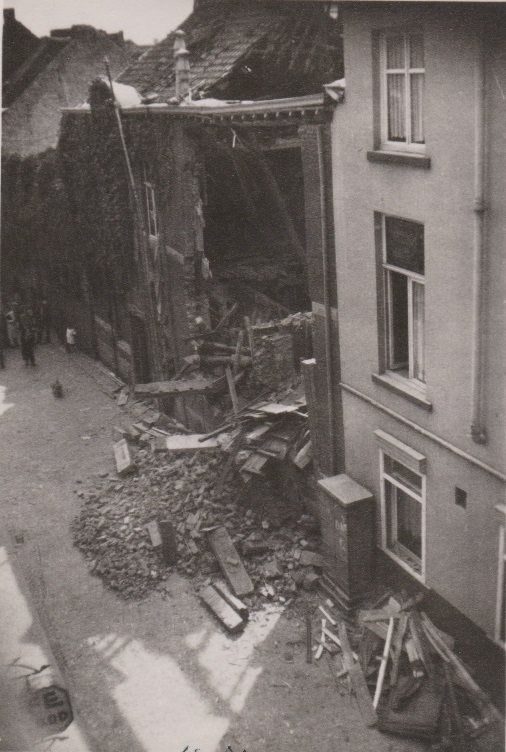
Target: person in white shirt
{"points": [[70, 339]]}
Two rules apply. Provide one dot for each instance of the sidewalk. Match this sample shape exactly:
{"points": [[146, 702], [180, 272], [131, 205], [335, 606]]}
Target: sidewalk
{"points": [[24, 644]]}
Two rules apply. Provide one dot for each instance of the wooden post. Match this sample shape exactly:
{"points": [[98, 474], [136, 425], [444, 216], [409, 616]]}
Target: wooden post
{"points": [[251, 341], [232, 390], [383, 666], [237, 354]]}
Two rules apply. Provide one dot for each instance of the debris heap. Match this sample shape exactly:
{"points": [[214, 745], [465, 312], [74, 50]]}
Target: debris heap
{"points": [[197, 492], [406, 676]]}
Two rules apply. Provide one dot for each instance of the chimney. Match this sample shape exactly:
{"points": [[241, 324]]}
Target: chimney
{"points": [[182, 66], [9, 14]]}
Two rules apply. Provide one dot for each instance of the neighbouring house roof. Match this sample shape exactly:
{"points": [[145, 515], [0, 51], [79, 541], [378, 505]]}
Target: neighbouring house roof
{"points": [[45, 51], [18, 44], [247, 40]]}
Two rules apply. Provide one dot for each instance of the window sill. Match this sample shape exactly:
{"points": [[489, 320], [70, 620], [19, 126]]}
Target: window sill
{"points": [[403, 387], [399, 158], [403, 564]]}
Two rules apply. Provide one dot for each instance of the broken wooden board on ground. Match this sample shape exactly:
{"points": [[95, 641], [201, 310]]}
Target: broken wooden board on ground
{"points": [[124, 462], [462, 674], [221, 609], [184, 442], [230, 598], [255, 464], [357, 679], [181, 387], [275, 408], [230, 562]]}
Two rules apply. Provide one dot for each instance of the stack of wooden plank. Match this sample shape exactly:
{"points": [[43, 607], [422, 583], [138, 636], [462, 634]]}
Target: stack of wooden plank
{"points": [[339, 647], [421, 689], [225, 604], [274, 431]]}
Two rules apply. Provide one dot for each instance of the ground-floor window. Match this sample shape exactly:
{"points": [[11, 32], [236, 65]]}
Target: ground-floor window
{"points": [[500, 626], [403, 509]]}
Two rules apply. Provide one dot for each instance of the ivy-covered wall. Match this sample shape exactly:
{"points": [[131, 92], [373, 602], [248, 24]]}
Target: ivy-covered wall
{"points": [[130, 272]]}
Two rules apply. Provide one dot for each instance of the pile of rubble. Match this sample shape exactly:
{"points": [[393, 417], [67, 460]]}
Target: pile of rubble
{"points": [[197, 491]]}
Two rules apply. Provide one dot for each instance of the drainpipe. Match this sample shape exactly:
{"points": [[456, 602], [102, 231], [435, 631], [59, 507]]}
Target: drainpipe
{"points": [[478, 431], [326, 305]]}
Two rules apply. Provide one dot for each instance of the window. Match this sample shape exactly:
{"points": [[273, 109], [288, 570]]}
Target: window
{"points": [[403, 496], [403, 265], [402, 91], [151, 209]]}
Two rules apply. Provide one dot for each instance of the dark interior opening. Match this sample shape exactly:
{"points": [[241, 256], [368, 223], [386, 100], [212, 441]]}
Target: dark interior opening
{"points": [[254, 234]]}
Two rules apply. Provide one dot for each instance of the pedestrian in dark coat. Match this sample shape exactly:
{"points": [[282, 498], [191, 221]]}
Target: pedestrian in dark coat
{"points": [[28, 337]]}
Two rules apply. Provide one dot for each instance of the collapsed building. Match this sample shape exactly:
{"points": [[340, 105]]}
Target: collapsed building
{"points": [[197, 212]]}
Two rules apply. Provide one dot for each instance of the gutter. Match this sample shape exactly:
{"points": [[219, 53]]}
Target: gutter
{"points": [[326, 304], [478, 429], [260, 108]]}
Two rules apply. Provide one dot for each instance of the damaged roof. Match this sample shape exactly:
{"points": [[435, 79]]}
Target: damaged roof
{"points": [[222, 39]]}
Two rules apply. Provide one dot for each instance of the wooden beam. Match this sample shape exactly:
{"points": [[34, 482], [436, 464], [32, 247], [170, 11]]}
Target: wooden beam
{"points": [[230, 562], [232, 390], [193, 386], [357, 679], [397, 648], [383, 665], [124, 462], [230, 598], [225, 318], [221, 609]]}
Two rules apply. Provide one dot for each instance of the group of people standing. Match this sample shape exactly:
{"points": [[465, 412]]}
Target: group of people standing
{"points": [[28, 327]]}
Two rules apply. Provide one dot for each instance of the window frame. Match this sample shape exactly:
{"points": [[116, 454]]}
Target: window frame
{"points": [[385, 477], [407, 71], [412, 279]]}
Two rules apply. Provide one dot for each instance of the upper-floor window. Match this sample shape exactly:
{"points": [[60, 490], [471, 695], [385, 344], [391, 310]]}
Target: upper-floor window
{"points": [[404, 268], [152, 221], [402, 91]]}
